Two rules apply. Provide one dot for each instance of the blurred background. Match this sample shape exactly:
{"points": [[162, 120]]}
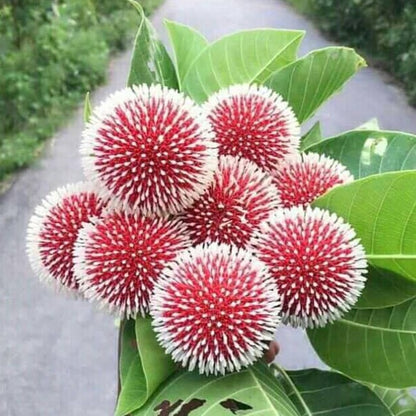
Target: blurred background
{"points": [[58, 355]]}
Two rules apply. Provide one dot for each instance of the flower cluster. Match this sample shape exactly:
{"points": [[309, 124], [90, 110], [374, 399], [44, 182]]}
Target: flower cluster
{"points": [[200, 216]]}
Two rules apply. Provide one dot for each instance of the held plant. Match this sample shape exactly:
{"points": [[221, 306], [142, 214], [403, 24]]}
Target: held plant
{"points": [[207, 220]]}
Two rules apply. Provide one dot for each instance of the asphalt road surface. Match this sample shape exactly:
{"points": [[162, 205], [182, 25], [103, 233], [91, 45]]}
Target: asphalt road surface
{"points": [[57, 355]]}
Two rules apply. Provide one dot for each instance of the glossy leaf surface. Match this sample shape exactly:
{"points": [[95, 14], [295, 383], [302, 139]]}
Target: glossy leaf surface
{"points": [[382, 210], [187, 45], [150, 62], [370, 152], [373, 345], [255, 389], [147, 370], [399, 402], [312, 137], [243, 57], [316, 392], [308, 82]]}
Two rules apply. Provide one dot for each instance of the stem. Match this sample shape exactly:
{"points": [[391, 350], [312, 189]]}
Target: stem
{"points": [[289, 381]]}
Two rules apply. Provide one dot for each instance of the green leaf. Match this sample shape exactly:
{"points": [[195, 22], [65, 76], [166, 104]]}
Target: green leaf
{"points": [[243, 57], [312, 137], [128, 348], [308, 82], [384, 289], [255, 387], [400, 402], [373, 345], [148, 369], [316, 392], [382, 210], [87, 107], [150, 63], [370, 152], [187, 44]]}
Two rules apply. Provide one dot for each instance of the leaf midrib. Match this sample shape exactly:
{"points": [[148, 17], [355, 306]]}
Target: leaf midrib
{"points": [[376, 328], [280, 52]]}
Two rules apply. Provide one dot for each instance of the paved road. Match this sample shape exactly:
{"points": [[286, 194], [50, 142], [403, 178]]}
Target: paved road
{"points": [[58, 356]]}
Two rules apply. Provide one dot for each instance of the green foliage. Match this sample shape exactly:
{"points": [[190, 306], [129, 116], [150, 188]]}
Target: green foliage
{"points": [[187, 45], [370, 152], [316, 392], [248, 56], [150, 63], [399, 402], [143, 365], [51, 54], [256, 386], [386, 228], [385, 29], [307, 83], [372, 345]]}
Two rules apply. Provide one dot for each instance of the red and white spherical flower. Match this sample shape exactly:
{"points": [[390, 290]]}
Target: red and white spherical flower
{"points": [[120, 257], [317, 262], [215, 308], [255, 123], [53, 230], [241, 196], [303, 178], [151, 148]]}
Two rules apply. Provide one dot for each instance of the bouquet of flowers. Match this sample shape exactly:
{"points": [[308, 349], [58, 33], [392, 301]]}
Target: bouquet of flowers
{"points": [[206, 220]]}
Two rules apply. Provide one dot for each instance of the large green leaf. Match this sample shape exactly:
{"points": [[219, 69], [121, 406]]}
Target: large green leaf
{"points": [[147, 370], [308, 82], [150, 63], [377, 346], [382, 210], [243, 57], [369, 152], [187, 44], [312, 137], [316, 392], [255, 389], [128, 348], [399, 402], [384, 288]]}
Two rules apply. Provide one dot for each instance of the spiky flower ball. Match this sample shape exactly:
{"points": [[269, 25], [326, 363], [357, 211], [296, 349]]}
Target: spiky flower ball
{"points": [[150, 148], [239, 199], [120, 257], [215, 308], [316, 261], [303, 178], [253, 122], [53, 230]]}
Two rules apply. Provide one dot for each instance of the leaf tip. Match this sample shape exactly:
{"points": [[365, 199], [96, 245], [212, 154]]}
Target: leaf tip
{"points": [[137, 6], [87, 107]]}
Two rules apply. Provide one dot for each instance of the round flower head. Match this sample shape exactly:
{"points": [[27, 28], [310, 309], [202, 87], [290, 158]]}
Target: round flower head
{"points": [[119, 258], [215, 308], [239, 199], [303, 178], [53, 230], [316, 261], [150, 148], [253, 122]]}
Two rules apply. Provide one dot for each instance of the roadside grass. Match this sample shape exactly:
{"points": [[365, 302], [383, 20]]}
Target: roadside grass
{"points": [[38, 96]]}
